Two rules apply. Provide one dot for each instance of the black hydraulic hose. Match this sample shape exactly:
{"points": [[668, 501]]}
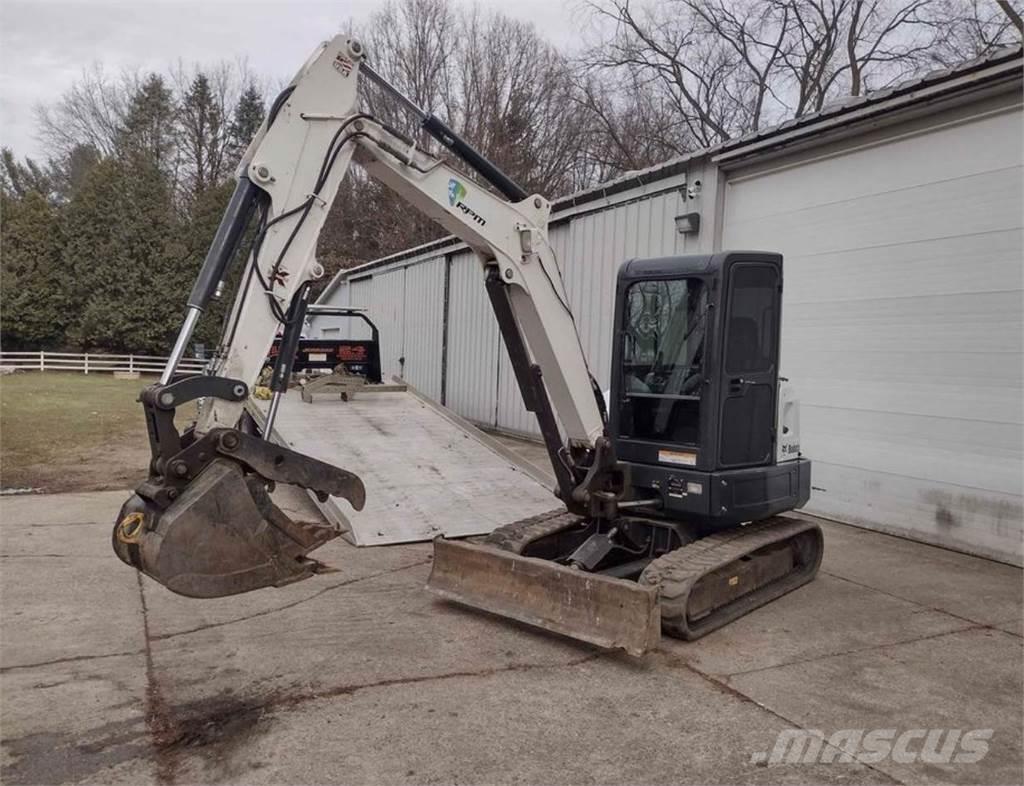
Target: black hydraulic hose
{"points": [[283, 96], [443, 134], [290, 339]]}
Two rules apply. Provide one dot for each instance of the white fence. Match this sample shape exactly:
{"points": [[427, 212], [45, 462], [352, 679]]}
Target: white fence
{"points": [[90, 363]]}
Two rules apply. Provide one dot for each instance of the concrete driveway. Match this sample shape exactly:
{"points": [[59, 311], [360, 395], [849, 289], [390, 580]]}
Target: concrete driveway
{"points": [[361, 677]]}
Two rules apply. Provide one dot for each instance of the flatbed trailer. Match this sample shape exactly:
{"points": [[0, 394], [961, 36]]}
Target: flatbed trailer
{"points": [[427, 471], [359, 356]]}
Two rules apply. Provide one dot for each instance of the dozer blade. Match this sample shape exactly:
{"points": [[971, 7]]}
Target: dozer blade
{"points": [[611, 613], [221, 536]]}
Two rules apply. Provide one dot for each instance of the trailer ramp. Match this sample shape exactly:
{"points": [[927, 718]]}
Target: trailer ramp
{"points": [[427, 472]]}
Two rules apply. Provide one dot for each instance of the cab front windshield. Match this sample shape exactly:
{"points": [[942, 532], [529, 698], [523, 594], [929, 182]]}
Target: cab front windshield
{"points": [[663, 335]]}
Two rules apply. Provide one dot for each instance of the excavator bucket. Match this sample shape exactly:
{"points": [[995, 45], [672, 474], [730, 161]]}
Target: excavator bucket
{"points": [[221, 536], [608, 612], [205, 526]]}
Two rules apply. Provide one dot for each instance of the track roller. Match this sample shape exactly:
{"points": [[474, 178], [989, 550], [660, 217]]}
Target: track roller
{"points": [[719, 578]]}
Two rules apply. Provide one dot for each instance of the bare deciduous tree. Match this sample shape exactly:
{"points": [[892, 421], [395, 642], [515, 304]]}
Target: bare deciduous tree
{"points": [[728, 67], [412, 42], [91, 112], [720, 64], [631, 125], [491, 78], [759, 41], [970, 28], [513, 97], [207, 99]]}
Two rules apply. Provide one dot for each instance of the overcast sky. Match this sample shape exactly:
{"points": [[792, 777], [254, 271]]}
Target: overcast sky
{"points": [[45, 44]]}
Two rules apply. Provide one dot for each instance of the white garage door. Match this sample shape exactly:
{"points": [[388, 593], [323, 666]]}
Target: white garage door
{"points": [[902, 327]]}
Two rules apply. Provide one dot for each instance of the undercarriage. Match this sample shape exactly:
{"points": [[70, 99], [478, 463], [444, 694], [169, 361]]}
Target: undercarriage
{"points": [[620, 584]]}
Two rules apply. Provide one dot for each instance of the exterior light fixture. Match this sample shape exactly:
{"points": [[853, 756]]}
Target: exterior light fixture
{"points": [[688, 223]]}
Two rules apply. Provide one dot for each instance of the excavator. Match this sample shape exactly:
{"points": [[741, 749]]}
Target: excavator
{"points": [[672, 489]]}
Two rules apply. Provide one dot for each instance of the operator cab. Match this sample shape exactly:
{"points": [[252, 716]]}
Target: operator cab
{"points": [[695, 394]]}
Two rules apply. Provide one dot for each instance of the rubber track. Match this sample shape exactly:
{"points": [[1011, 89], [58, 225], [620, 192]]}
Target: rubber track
{"points": [[675, 573], [518, 535]]}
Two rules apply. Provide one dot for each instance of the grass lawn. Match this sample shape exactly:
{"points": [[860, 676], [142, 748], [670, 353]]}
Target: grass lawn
{"points": [[71, 432]]}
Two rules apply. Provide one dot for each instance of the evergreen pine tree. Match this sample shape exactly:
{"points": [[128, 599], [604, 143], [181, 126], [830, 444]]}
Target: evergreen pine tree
{"points": [[127, 263], [149, 130], [33, 286], [203, 136], [248, 117]]}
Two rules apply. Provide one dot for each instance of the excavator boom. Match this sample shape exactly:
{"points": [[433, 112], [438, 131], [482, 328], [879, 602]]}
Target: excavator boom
{"points": [[203, 524]]}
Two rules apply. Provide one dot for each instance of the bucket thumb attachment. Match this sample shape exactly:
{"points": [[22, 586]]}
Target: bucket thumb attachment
{"points": [[206, 527]]}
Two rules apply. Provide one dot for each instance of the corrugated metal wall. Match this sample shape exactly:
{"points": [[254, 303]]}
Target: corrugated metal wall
{"points": [[592, 247], [387, 309], [333, 327], [358, 297], [406, 300], [471, 387], [424, 325]]}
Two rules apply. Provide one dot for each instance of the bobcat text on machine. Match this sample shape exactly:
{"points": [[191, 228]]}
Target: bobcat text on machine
{"points": [[671, 500]]}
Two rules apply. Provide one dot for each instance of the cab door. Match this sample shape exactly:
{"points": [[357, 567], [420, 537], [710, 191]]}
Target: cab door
{"points": [[750, 360]]}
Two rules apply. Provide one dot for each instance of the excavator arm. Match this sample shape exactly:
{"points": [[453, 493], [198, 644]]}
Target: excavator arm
{"points": [[203, 523]]}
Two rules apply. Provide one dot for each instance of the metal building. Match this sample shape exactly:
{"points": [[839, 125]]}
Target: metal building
{"points": [[900, 217]]}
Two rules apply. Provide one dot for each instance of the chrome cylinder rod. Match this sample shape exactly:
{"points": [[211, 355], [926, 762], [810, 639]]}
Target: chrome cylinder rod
{"points": [[268, 427], [181, 344], [393, 91]]}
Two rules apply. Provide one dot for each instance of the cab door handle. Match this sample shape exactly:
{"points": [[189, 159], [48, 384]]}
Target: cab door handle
{"points": [[738, 385]]}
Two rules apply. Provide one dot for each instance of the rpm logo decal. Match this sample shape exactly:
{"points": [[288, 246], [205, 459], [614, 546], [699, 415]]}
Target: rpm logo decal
{"points": [[456, 195], [455, 192]]}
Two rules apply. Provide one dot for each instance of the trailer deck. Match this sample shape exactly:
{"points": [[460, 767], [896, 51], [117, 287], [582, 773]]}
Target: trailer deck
{"points": [[427, 471]]}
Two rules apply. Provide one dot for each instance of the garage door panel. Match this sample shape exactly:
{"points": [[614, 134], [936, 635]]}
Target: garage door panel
{"points": [[998, 440], [984, 203], [899, 366], [965, 402], [915, 446], [902, 327], [973, 263], [987, 322], [942, 156], [982, 523]]}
